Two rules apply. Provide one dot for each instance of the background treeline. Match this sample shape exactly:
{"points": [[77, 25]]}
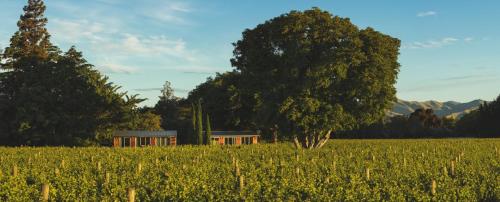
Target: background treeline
{"points": [[224, 99], [423, 123]]}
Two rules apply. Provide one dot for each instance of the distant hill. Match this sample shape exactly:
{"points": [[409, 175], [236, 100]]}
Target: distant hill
{"points": [[442, 109]]}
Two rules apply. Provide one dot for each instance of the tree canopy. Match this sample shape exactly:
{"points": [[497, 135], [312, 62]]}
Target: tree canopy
{"points": [[225, 99], [53, 98], [313, 73]]}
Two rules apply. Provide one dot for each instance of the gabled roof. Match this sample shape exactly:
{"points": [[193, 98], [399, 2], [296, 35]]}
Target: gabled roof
{"points": [[235, 133], [143, 133]]}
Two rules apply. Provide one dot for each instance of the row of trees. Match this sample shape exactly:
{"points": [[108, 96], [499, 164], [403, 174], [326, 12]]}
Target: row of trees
{"points": [[184, 115], [199, 136], [302, 75], [483, 122], [423, 123], [48, 97]]}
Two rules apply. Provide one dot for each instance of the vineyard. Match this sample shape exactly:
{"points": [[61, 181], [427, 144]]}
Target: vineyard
{"points": [[345, 170]]}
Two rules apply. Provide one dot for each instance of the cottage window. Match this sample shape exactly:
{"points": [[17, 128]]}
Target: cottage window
{"points": [[160, 141], [215, 140], [145, 141], [229, 140], [246, 140], [125, 141]]}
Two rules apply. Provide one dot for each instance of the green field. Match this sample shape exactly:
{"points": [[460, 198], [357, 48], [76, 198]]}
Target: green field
{"points": [[398, 170]]}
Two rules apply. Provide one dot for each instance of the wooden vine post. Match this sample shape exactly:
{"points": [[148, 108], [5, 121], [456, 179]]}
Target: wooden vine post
{"points": [[433, 187], [367, 173], [131, 194], [45, 192], [452, 168], [15, 170]]}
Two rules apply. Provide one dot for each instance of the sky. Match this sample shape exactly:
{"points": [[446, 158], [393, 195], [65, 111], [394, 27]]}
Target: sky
{"points": [[450, 49]]}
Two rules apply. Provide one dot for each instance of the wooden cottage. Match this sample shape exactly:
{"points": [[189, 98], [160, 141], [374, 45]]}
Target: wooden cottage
{"points": [[144, 138], [235, 137]]}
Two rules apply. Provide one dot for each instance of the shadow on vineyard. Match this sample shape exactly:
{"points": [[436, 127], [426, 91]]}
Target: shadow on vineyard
{"points": [[343, 170]]}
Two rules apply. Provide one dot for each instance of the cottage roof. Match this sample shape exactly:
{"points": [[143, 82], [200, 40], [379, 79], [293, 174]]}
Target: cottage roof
{"points": [[235, 133], [142, 133]]}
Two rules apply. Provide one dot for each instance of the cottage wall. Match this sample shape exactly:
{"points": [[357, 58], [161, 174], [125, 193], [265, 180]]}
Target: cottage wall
{"points": [[116, 141], [153, 141], [133, 142], [173, 140], [254, 140]]}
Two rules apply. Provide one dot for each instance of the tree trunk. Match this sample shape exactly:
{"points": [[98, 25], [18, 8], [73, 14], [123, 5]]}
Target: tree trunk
{"points": [[297, 143], [312, 141]]}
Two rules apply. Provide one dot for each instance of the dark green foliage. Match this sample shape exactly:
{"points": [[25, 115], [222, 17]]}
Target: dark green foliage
{"points": [[199, 123], [176, 114], [225, 99], [145, 119], [312, 73], [49, 98], [484, 122], [422, 123], [168, 107], [32, 40], [63, 103], [423, 119], [208, 131], [194, 139]]}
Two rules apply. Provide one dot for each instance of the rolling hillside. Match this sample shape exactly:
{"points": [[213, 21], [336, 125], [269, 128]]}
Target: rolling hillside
{"points": [[450, 108]]}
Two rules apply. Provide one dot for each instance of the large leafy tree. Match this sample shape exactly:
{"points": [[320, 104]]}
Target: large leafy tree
{"points": [[50, 98], [227, 102], [314, 73], [145, 119]]}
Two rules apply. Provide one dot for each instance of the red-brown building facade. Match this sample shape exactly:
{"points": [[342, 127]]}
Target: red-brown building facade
{"points": [[235, 137], [144, 138]]}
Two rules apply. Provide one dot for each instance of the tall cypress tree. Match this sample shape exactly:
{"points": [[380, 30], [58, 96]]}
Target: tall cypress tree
{"points": [[208, 131], [193, 137], [199, 123], [32, 40]]}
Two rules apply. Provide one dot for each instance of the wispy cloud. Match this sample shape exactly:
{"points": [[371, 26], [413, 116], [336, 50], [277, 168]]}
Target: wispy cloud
{"points": [[77, 30], [116, 68], [468, 39], [426, 14], [112, 48], [468, 77], [147, 89], [198, 72], [452, 82], [169, 12], [159, 89], [431, 43], [155, 45]]}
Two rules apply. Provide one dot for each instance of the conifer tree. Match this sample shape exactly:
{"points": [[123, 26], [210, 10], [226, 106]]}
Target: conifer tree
{"points": [[199, 123], [193, 136], [51, 98], [208, 131], [32, 40]]}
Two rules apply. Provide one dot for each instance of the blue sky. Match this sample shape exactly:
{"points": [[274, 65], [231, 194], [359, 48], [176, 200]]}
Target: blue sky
{"points": [[450, 49]]}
